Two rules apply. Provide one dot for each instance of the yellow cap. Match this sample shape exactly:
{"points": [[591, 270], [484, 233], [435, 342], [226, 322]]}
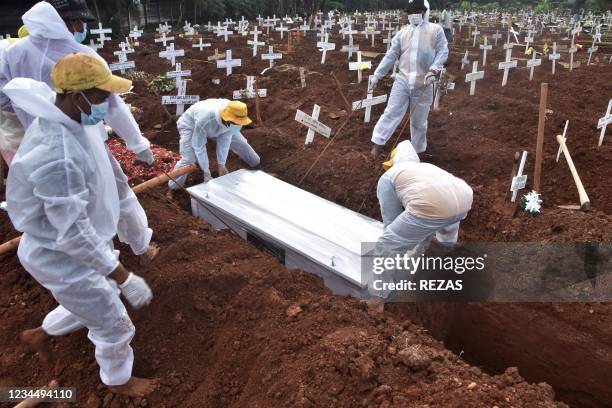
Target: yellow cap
{"points": [[236, 112], [79, 72], [23, 32], [389, 163]]}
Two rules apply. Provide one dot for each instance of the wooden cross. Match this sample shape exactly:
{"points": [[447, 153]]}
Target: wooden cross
{"points": [[572, 50], [254, 41], [171, 54], [554, 56], [164, 39], [465, 61], [94, 46], [485, 47], [271, 56], [313, 124], [593, 48], [532, 63], [388, 40], [282, 30], [228, 63], [216, 56], [604, 122], [249, 92], [101, 31], [475, 33], [180, 100], [224, 32], [135, 34], [564, 139], [367, 103], [303, 77], [520, 180], [201, 45], [496, 36], [373, 31], [528, 40], [350, 48], [474, 76], [507, 64], [324, 46], [359, 66]]}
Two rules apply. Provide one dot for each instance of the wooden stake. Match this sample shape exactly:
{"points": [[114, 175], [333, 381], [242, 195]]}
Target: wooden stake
{"points": [[349, 107], [540, 141], [289, 42], [257, 110], [585, 203]]}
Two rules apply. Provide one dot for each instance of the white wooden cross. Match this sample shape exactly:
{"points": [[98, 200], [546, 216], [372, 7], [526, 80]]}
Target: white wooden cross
{"points": [[572, 50], [496, 36], [224, 32], [254, 41], [303, 77], [564, 138], [164, 39], [271, 56], [475, 33], [136, 34], [359, 66], [465, 61], [123, 62], [304, 27], [485, 47], [367, 103], [201, 45], [180, 100], [249, 91], [554, 56], [350, 48], [474, 76], [94, 46], [593, 48], [313, 124], [282, 30], [507, 64], [604, 122], [101, 31], [520, 180], [325, 46], [373, 31], [170, 54], [388, 40], [528, 40], [532, 63], [228, 63]]}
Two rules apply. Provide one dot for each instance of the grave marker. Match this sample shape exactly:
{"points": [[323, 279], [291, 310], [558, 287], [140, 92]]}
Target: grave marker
{"points": [[475, 33], [496, 36], [313, 124], [359, 66], [163, 39], [350, 48], [564, 138], [228, 63], [324, 46], [100, 31], [254, 42], [271, 56], [367, 104], [303, 77], [485, 47], [200, 44], [216, 56], [171, 54], [520, 180], [282, 30], [181, 99], [506, 65], [592, 49], [554, 56], [532, 63], [249, 92], [474, 76], [604, 122], [465, 61]]}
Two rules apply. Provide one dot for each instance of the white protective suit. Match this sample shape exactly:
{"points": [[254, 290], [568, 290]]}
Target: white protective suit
{"points": [[34, 57], [61, 195], [11, 130], [418, 200], [419, 49], [202, 121]]}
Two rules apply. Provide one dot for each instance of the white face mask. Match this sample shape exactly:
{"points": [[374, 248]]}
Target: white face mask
{"points": [[415, 19]]}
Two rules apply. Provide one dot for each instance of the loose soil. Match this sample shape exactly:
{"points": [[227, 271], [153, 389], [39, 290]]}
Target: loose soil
{"points": [[231, 327]]}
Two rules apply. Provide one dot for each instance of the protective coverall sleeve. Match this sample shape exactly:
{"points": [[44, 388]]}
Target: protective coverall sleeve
{"points": [[390, 205], [223, 146], [395, 50], [441, 50], [62, 188], [198, 142], [123, 123]]}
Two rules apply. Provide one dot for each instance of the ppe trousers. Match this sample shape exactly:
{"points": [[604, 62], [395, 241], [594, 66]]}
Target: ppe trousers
{"points": [[401, 98], [133, 227], [238, 145]]}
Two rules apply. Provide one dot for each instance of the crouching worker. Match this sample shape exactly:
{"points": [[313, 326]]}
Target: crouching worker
{"points": [[216, 119], [62, 196], [419, 200]]}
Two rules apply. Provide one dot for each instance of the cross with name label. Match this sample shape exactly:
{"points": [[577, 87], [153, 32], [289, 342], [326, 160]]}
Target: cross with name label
{"points": [[282, 29], [485, 47], [325, 46], [100, 31], [350, 47], [573, 49], [228, 63], [506, 65], [474, 76], [94, 46], [475, 33], [163, 39], [554, 56], [170, 54], [249, 92], [604, 122], [528, 40], [180, 100], [496, 36], [368, 102], [201, 44], [224, 32], [532, 63], [123, 62], [465, 61], [271, 56], [135, 34], [313, 124], [359, 66], [372, 30], [216, 56], [254, 41], [592, 49], [388, 40], [520, 180]]}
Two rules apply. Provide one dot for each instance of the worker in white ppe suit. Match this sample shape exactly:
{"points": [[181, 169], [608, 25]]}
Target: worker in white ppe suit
{"points": [[419, 200], [421, 49], [61, 195], [213, 119], [11, 130], [34, 57]]}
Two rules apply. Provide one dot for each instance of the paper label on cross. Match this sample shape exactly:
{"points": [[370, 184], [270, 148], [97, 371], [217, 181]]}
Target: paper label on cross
{"points": [[518, 183], [122, 66], [180, 99], [313, 124]]}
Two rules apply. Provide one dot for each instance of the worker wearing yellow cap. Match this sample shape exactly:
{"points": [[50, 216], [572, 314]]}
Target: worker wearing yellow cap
{"points": [[419, 200], [62, 195], [213, 119]]}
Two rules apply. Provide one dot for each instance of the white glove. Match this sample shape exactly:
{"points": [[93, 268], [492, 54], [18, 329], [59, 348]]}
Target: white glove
{"points": [[373, 81], [430, 78], [136, 291], [207, 175], [146, 156], [222, 170]]}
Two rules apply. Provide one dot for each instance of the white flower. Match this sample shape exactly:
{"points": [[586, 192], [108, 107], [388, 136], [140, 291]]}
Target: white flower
{"points": [[532, 202]]}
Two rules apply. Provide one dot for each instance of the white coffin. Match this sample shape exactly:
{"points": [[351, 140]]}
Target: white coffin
{"points": [[302, 230]]}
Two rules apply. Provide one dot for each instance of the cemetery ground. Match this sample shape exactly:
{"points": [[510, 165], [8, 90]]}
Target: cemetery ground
{"points": [[230, 326]]}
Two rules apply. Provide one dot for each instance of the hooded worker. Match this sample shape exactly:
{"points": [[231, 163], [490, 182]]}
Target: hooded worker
{"points": [[216, 119], [421, 49], [51, 37], [11, 130], [419, 200], [61, 195]]}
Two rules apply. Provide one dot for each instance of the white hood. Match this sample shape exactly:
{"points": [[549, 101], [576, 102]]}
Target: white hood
{"points": [[43, 20], [405, 153]]}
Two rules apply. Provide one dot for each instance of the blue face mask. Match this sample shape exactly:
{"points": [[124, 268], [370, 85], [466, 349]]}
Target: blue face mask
{"points": [[98, 112], [234, 128], [80, 36]]}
